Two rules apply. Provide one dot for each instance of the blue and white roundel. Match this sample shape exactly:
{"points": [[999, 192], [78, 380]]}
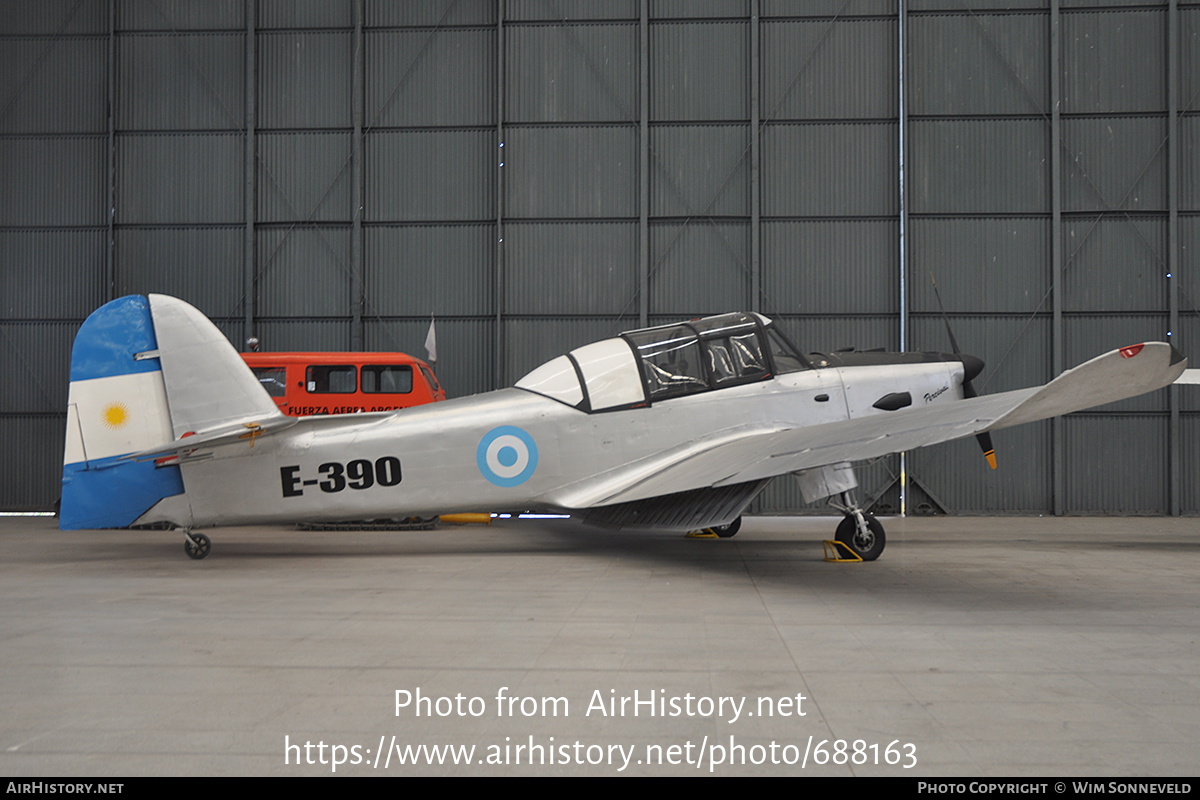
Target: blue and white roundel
{"points": [[507, 456]]}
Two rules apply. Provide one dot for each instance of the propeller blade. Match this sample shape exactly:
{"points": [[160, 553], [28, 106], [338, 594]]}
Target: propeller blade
{"points": [[953, 343], [972, 366], [989, 452]]}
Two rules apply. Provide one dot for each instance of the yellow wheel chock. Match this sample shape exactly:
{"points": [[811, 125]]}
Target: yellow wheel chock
{"points": [[703, 533], [834, 551]]}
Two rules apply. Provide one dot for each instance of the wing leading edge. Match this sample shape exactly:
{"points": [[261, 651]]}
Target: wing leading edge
{"points": [[756, 455]]}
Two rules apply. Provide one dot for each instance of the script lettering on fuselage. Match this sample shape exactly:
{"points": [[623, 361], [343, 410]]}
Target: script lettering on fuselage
{"points": [[931, 396], [335, 476]]}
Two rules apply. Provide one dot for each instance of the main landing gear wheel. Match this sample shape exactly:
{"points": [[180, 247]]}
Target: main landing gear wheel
{"points": [[869, 543], [725, 531], [717, 531], [196, 545]]}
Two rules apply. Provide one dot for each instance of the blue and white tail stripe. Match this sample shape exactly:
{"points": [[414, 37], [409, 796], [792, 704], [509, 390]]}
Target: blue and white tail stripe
{"points": [[117, 405]]}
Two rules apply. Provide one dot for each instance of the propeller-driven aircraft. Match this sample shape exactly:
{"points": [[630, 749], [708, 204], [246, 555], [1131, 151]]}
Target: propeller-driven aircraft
{"points": [[675, 427]]}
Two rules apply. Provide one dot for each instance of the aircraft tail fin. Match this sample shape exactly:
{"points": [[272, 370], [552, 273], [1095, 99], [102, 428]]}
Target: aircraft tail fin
{"points": [[117, 404], [145, 371], [208, 384]]}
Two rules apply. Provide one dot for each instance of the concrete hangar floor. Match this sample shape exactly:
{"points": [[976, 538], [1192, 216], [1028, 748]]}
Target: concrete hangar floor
{"points": [[974, 646]]}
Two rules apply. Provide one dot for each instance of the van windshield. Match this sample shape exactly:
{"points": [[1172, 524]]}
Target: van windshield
{"points": [[273, 379]]}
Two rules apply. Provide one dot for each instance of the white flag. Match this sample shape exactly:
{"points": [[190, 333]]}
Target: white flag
{"points": [[431, 343]]}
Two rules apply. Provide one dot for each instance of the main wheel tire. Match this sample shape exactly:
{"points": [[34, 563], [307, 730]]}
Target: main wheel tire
{"points": [[201, 547], [725, 531], [868, 546]]}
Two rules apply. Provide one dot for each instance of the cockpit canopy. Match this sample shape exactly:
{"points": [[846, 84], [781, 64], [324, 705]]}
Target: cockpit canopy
{"points": [[645, 366]]}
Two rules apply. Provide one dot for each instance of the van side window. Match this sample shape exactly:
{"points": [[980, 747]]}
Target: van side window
{"points": [[389, 379], [331, 380], [273, 379]]}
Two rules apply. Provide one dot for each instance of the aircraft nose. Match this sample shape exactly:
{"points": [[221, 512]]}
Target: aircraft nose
{"points": [[972, 366]]}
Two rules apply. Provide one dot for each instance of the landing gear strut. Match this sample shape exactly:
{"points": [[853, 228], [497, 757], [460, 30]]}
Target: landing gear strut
{"points": [[858, 530], [196, 545]]}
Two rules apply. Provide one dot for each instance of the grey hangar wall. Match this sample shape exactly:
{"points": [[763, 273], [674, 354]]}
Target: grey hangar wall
{"points": [[541, 173]]}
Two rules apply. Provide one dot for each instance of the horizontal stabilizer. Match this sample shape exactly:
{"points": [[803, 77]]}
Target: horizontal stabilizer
{"points": [[226, 434]]}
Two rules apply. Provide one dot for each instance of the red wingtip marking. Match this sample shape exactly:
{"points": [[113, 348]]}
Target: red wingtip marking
{"points": [[1132, 350]]}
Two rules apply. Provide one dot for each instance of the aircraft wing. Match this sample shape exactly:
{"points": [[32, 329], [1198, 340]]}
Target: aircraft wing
{"points": [[753, 455]]}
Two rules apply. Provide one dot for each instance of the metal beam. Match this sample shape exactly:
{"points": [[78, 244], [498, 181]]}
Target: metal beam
{"points": [[1174, 465], [902, 144], [644, 165], [1057, 444], [755, 155], [498, 273], [357, 296], [110, 278], [250, 212], [902, 283]]}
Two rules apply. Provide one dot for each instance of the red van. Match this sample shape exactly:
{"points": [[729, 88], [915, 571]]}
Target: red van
{"points": [[304, 384]]}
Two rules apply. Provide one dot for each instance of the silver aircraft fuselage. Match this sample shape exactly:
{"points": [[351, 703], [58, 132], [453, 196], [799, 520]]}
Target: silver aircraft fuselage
{"points": [[436, 459]]}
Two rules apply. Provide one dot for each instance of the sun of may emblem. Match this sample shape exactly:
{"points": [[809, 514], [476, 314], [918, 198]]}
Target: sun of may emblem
{"points": [[116, 415]]}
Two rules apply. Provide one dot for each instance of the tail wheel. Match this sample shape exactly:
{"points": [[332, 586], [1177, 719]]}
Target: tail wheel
{"points": [[868, 544], [196, 545]]}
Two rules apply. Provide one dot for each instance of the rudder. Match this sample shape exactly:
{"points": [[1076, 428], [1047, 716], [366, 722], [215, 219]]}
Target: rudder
{"points": [[117, 405]]}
